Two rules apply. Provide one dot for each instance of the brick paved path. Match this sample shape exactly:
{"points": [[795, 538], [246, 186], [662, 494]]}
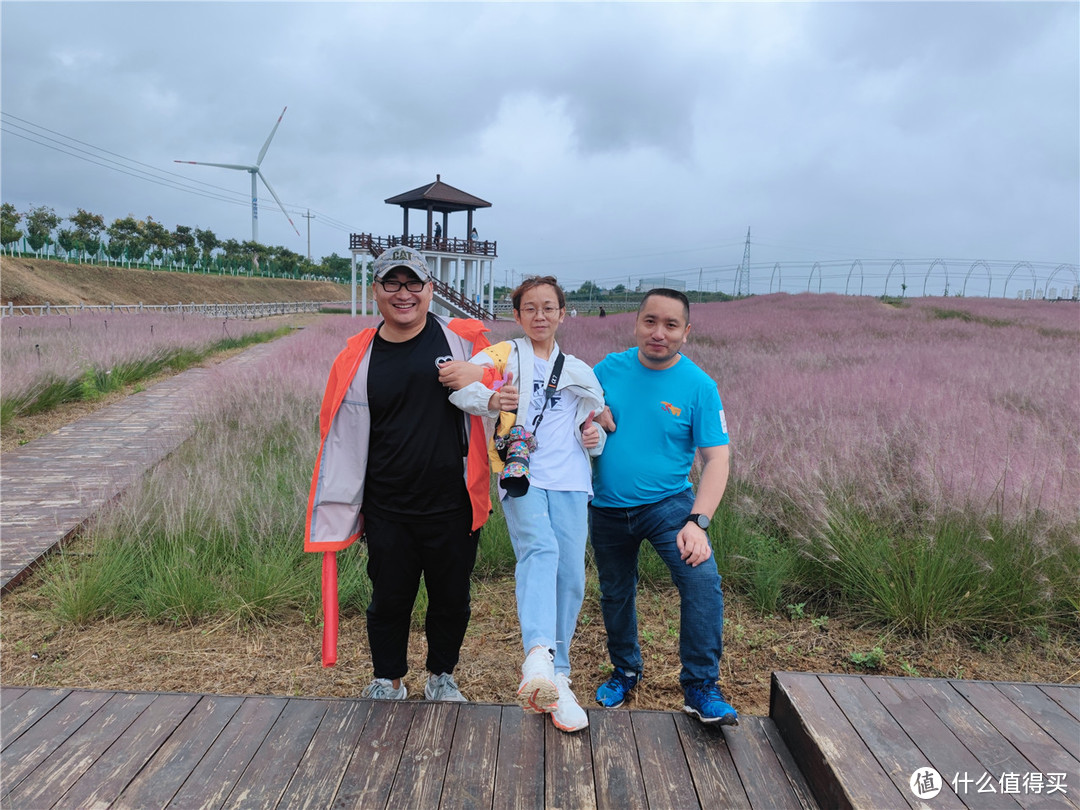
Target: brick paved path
{"points": [[51, 486]]}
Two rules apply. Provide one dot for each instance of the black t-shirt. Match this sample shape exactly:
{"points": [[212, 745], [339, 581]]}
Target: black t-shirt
{"points": [[416, 451]]}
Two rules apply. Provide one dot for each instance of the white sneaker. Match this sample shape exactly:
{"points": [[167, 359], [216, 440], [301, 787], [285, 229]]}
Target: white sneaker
{"points": [[538, 692], [383, 689], [568, 716], [443, 687]]}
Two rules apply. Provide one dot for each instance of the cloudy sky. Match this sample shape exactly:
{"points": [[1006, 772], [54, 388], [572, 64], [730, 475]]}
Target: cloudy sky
{"points": [[614, 140]]}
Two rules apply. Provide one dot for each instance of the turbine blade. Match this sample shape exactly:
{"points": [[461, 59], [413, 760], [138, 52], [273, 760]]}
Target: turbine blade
{"points": [[266, 145], [278, 201], [220, 165]]}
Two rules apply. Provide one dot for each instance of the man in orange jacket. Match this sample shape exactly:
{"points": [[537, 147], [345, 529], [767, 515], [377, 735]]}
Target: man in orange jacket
{"points": [[403, 467]]}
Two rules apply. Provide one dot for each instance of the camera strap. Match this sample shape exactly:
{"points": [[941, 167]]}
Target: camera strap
{"points": [[549, 390]]}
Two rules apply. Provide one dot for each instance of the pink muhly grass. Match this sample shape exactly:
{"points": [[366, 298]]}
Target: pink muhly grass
{"points": [[247, 469], [940, 404], [827, 394], [36, 348]]}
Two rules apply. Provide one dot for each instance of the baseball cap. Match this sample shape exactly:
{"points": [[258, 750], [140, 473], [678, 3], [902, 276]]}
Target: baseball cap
{"points": [[401, 256]]}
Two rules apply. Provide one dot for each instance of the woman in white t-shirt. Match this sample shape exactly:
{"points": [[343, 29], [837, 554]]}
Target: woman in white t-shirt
{"points": [[546, 503]]}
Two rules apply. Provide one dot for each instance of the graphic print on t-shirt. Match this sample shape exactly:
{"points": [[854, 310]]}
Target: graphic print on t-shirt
{"points": [[537, 401]]}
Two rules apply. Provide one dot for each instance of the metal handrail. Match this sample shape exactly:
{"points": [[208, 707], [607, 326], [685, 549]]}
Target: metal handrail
{"points": [[448, 294], [230, 310]]}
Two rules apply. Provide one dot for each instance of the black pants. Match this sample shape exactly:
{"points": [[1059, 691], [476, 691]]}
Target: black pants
{"points": [[398, 553]]}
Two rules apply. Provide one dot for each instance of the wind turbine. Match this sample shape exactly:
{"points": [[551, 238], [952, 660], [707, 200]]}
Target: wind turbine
{"points": [[255, 173]]}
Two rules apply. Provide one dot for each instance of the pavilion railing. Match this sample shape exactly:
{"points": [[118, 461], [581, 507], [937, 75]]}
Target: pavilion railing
{"points": [[468, 247]]}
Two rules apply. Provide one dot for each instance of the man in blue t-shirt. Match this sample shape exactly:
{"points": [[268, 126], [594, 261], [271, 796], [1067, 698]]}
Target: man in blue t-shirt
{"points": [[663, 410]]}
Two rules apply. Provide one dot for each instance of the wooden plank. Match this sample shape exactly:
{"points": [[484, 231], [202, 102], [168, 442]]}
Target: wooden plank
{"points": [[38, 742], [568, 769], [213, 778], [371, 771], [474, 753], [820, 737], [316, 781], [890, 745], [936, 742], [616, 770], [268, 773], [157, 783], [1067, 697], [9, 694], [1038, 747], [420, 775], [110, 773], [716, 779], [60, 770], [668, 782], [760, 773], [1050, 716], [800, 788], [23, 708], [994, 753], [519, 773]]}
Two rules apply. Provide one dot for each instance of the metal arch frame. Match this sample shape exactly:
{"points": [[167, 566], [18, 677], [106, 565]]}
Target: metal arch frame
{"points": [[903, 277], [1008, 278], [989, 277], [1066, 267], [862, 277], [809, 281], [926, 278], [775, 271]]}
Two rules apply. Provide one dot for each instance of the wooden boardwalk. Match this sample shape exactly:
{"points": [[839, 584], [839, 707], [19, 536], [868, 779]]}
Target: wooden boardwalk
{"points": [[832, 741], [76, 749], [54, 484]]}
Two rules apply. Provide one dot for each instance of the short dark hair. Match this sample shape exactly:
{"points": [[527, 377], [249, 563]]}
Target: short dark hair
{"points": [[530, 282], [666, 292]]}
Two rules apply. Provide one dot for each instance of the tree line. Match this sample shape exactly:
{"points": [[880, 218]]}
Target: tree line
{"points": [[146, 243]]}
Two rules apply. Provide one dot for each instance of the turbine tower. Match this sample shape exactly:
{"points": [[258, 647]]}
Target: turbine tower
{"points": [[255, 173]]}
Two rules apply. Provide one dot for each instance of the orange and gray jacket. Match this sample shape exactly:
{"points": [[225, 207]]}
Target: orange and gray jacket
{"points": [[335, 504]]}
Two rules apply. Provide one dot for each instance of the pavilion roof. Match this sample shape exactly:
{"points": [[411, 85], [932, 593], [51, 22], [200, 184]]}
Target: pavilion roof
{"points": [[438, 196]]}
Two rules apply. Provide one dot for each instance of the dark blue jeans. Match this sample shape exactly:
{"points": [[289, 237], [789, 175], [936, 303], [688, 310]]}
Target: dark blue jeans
{"points": [[616, 535]]}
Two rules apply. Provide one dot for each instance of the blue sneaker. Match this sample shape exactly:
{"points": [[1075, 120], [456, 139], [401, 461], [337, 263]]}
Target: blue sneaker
{"points": [[612, 693], [706, 702]]}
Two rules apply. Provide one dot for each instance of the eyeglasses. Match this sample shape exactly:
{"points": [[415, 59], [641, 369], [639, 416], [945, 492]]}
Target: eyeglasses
{"points": [[413, 285], [530, 312]]}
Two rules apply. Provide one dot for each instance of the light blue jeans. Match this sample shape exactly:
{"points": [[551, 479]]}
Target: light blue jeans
{"points": [[548, 529]]}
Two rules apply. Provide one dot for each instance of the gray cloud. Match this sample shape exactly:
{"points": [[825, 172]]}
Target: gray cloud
{"points": [[614, 139]]}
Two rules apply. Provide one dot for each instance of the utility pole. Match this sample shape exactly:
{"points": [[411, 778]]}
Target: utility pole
{"points": [[308, 216], [744, 269]]}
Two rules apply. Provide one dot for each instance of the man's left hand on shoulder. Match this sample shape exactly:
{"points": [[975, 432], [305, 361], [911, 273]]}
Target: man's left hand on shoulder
{"points": [[693, 543]]}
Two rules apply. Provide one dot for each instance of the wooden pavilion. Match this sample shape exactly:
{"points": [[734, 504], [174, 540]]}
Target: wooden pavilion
{"points": [[461, 266]]}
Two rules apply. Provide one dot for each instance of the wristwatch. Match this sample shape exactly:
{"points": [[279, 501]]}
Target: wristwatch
{"points": [[700, 520]]}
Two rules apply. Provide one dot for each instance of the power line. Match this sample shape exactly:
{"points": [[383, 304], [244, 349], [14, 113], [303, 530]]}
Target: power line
{"points": [[154, 175], [184, 178], [136, 173]]}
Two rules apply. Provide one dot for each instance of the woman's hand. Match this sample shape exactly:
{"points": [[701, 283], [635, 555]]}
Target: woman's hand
{"points": [[506, 398], [590, 433]]}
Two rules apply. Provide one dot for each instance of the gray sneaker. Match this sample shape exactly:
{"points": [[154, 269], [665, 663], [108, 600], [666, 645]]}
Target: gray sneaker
{"points": [[383, 689], [443, 687]]}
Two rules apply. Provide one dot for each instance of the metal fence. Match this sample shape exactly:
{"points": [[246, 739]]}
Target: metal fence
{"points": [[234, 311]]}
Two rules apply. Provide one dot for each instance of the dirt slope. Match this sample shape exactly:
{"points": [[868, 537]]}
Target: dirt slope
{"points": [[38, 281]]}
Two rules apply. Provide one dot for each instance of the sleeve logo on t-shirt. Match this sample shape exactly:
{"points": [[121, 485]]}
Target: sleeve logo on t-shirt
{"points": [[723, 421], [672, 409]]}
